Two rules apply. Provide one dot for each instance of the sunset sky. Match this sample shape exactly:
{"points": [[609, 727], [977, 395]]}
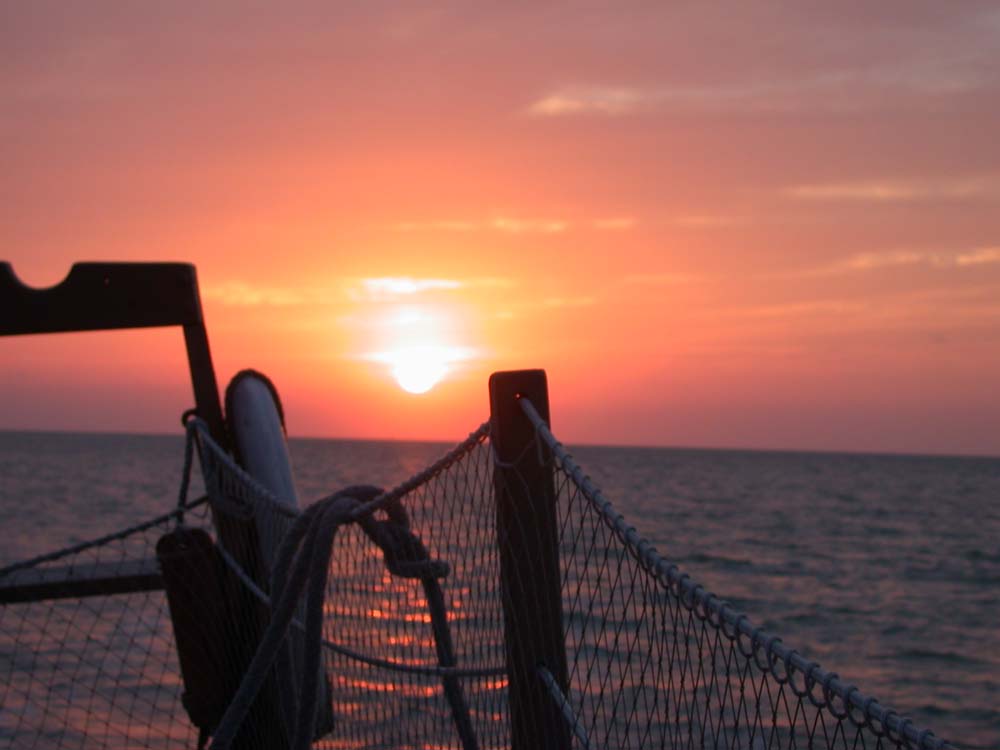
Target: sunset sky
{"points": [[712, 224]]}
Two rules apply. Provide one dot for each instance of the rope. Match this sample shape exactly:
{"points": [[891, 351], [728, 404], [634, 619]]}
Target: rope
{"points": [[567, 711], [260, 492], [103, 540], [401, 551], [337, 648], [407, 557], [404, 554], [766, 651], [302, 566], [186, 470], [299, 562]]}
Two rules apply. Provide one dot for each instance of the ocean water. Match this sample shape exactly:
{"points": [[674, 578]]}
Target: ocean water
{"points": [[885, 569]]}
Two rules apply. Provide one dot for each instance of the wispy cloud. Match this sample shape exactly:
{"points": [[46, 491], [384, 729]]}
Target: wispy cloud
{"points": [[584, 301], [897, 258], [444, 225], [444, 354], [870, 261], [705, 221], [405, 285], [659, 279], [615, 223], [393, 288], [889, 190], [519, 225], [602, 100], [614, 101], [978, 257], [849, 87], [920, 311], [242, 294], [798, 309], [510, 224]]}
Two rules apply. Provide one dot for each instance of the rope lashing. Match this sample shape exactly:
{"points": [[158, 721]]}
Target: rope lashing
{"points": [[406, 556], [302, 565], [404, 553], [339, 648]]}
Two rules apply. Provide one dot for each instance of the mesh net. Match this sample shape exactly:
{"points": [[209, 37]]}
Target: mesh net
{"points": [[655, 660], [94, 671], [646, 658]]}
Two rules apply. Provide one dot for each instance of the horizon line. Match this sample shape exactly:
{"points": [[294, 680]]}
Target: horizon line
{"points": [[579, 444]]}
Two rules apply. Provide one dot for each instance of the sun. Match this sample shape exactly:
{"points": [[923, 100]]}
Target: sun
{"points": [[418, 369], [417, 349]]}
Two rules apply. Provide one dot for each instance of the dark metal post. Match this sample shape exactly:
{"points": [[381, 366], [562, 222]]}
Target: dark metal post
{"points": [[527, 533], [108, 296], [206, 390]]}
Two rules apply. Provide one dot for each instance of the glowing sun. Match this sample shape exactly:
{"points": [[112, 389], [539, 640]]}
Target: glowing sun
{"points": [[415, 348], [418, 369]]}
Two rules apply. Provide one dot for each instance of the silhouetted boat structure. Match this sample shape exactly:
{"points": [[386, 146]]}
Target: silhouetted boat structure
{"points": [[494, 600]]}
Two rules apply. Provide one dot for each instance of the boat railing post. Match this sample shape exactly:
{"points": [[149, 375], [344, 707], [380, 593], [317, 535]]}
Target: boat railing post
{"points": [[528, 539]]}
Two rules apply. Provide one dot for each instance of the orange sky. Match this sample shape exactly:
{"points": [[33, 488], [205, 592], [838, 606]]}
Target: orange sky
{"points": [[757, 227]]}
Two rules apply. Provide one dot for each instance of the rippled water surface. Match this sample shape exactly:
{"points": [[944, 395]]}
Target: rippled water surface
{"points": [[885, 569]]}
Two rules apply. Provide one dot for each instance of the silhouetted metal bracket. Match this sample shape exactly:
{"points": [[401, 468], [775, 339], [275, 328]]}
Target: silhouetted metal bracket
{"points": [[110, 296]]}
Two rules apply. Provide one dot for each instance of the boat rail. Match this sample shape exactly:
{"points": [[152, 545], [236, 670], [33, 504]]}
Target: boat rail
{"points": [[495, 599], [651, 658]]}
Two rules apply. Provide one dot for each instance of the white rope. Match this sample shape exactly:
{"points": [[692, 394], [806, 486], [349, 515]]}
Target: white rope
{"points": [[567, 710]]}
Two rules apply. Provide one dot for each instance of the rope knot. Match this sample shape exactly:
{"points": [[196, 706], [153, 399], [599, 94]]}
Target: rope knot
{"points": [[403, 551]]}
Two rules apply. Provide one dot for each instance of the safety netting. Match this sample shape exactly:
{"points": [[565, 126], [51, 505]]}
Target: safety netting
{"points": [[657, 661], [97, 670], [404, 618]]}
